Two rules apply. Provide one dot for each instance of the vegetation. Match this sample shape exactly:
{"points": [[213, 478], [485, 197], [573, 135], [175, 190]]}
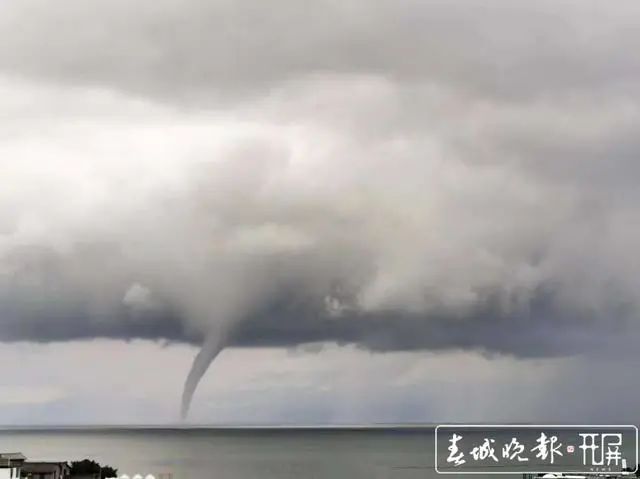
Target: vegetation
{"points": [[629, 469], [87, 466]]}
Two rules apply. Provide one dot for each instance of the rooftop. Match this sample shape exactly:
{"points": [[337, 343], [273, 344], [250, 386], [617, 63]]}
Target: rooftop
{"points": [[12, 456], [44, 466]]}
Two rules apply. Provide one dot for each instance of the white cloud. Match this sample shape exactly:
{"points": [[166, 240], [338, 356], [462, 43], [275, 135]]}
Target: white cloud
{"points": [[337, 177]]}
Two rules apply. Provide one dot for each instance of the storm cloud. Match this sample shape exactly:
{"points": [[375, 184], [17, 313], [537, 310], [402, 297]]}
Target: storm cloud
{"points": [[398, 175]]}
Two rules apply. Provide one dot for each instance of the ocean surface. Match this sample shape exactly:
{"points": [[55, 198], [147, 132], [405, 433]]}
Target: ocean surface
{"points": [[238, 453], [245, 453]]}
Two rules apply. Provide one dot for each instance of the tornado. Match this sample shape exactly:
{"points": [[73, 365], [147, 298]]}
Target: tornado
{"points": [[210, 349]]}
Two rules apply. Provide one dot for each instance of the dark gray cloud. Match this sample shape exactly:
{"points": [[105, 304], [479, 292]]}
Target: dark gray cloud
{"points": [[399, 175], [542, 331]]}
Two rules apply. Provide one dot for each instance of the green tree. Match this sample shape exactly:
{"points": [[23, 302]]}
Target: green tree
{"points": [[88, 466], [629, 469]]}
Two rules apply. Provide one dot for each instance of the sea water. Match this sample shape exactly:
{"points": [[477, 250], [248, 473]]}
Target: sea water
{"points": [[239, 453]]}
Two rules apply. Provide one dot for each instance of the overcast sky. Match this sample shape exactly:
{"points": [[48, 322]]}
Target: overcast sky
{"points": [[378, 211]]}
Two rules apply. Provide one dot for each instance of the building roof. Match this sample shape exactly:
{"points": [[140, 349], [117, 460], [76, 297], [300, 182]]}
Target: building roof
{"points": [[42, 466], [12, 456]]}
